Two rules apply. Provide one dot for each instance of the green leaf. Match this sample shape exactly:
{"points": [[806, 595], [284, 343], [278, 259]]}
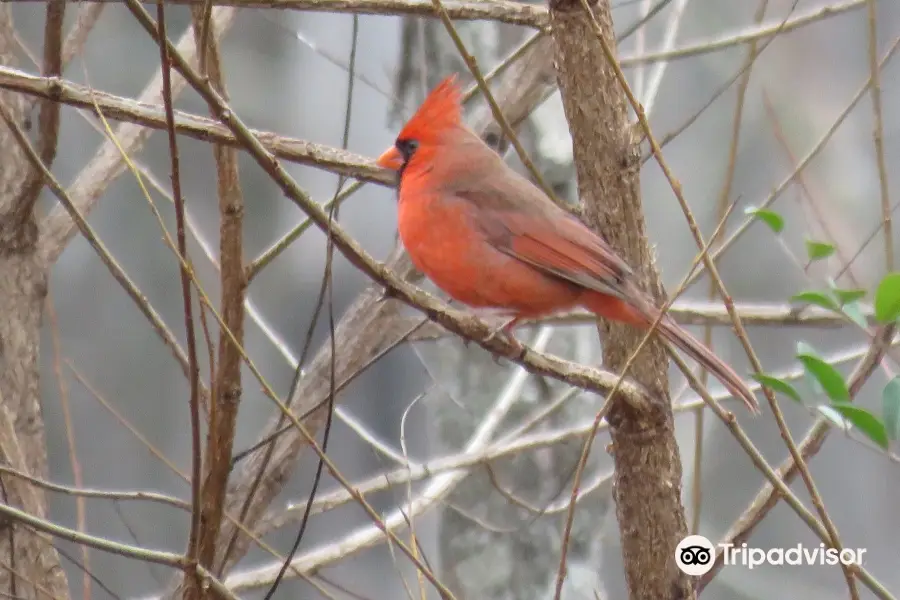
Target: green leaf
{"points": [[769, 217], [890, 408], [863, 420], [778, 385], [818, 250], [818, 298], [829, 378], [848, 296], [811, 383], [854, 312], [887, 298]]}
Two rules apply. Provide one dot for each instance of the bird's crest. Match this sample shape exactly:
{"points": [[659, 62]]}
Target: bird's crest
{"points": [[439, 112]]}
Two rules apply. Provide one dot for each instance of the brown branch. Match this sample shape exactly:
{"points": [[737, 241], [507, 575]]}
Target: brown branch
{"points": [[648, 466], [878, 136], [504, 11], [48, 118], [153, 116], [760, 32], [23, 289], [685, 313], [77, 478], [724, 206], [226, 394], [192, 554]]}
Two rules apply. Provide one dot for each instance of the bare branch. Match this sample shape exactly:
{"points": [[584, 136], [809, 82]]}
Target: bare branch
{"points": [[153, 556], [48, 118], [23, 289], [751, 34], [226, 394], [505, 11], [192, 554], [878, 137], [195, 126]]}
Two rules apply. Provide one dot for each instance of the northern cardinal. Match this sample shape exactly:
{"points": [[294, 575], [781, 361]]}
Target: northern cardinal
{"points": [[489, 238]]}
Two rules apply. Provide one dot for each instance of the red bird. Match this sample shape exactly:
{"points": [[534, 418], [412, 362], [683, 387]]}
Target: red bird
{"points": [[489, 238]]}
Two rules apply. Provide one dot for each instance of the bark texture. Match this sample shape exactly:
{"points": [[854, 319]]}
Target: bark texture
{"points": [[647, 489], [26, 556]]}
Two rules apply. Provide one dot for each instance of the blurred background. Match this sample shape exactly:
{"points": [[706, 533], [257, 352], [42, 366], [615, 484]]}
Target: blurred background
{"points": [[287, 72]]}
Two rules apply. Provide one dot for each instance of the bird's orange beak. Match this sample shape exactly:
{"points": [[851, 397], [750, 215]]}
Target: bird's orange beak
{"points": [[390, 159]]}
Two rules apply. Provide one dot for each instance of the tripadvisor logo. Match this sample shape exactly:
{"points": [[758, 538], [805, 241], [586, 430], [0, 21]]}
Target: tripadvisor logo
{"points": [[695, 555]]}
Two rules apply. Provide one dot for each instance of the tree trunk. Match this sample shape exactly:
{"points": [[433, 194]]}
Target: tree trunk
{"points": [[28, 560], [647, 489]]}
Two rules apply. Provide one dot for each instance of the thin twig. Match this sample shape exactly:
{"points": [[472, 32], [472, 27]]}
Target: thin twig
{"points": [[193, 551], [153, 556], [818, 212], [82, 492], [747, 35], [70, 441], [327, 289], [878, 136], [724, 203]]}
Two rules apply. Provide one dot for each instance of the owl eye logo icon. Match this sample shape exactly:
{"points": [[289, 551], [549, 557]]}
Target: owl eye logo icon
{"points": [[694, 555]]}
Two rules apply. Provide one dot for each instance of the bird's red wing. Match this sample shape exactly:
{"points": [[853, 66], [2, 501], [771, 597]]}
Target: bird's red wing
{"points": [[561, 246], [520, 221]]}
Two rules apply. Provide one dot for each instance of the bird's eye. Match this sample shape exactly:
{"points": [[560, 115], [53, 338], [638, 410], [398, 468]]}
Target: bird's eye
{"points": [[407, 148]]}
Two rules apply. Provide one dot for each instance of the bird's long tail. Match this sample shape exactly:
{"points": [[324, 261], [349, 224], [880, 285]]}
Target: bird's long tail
{"points": [[617, 310], [694, 348]]}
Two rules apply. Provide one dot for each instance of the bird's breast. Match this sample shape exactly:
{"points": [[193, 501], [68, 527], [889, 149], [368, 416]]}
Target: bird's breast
{"points": [[444, 243]]}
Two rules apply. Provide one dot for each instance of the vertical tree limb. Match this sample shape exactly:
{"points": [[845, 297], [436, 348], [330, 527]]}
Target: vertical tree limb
{"points": [[226, 390], [648, 467], [23, 288], [48, 119]]}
